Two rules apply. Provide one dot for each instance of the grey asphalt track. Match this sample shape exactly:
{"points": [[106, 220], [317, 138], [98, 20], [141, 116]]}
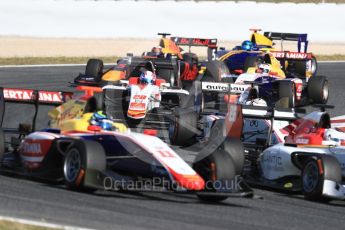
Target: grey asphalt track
{"points": [[109, 210]]}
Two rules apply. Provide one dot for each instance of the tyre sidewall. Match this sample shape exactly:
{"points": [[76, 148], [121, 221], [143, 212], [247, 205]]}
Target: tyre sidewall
{"points": [[316, 192], [80, 148]]}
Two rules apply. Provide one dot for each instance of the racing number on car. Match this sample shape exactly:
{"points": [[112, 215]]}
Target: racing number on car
{"points": [[166, 153]]}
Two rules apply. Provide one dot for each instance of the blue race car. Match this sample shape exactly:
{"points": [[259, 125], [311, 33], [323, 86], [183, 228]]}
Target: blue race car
{"points": [[254, 51]]}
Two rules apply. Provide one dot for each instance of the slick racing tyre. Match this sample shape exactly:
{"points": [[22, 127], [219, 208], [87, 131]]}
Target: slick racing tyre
{"points": [[168, 75], [81, 156], [95, 103], [94, 69], [216, 169], [314, 173], [182, 128], [235, 149], [298, 68], [231, 146], [99, 99], [251, 62], [318, 89], [2, 144], [215, 71], [313, 66], [192, 58], [287, 94], [312, 181]]}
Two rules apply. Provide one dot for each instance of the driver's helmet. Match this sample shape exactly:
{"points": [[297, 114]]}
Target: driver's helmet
{"points": [[147, 77], [247, 45], [265, 68], [156, 50], [101, 120]]}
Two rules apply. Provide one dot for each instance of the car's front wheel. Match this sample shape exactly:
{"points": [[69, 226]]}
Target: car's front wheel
{"points": [[312, 180], [81, 156], [94, 69], [218, 170]]}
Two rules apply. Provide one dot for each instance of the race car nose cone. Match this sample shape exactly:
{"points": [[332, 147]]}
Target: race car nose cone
{"points": [[190, 182]]}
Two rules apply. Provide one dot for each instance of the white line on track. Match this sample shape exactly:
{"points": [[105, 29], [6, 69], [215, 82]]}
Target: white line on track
{"points": [[40, 223], [66, 65], [46, 65]]}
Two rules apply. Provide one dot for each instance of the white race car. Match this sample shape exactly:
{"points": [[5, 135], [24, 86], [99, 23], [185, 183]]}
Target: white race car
{"points": [[287, 152], [306, 155]]}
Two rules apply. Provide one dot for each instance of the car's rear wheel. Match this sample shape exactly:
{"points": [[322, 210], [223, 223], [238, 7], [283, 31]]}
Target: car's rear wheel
{"points": [[95, 103], [231, 146], [287, 94], [182, 128], [217, 169], [251, 61], [94, 69], [2, 144], [313, 66], [168, 75], [235, 149], [318, 89], [81, 156]]}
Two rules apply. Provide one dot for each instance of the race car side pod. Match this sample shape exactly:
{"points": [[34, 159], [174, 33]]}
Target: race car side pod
{"points": [[29, 96]]}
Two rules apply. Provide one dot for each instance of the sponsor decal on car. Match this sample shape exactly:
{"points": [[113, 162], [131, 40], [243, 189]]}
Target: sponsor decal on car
{"points": [[34, 148], [224, 87], [25, 94], [194, 41], [303, 141], [291, 55]]}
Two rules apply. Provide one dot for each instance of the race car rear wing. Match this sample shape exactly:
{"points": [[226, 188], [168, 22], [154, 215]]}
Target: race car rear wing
{"points": [[237, 115], [29, 96], [302, 40], [181, 41], [151, 63], [286, 36], [269, 113], [211, 44], [222, 87]]}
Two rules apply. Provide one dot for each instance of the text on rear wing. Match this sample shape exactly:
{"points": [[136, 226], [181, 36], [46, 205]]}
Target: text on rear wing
{"points": [[224, 87]]}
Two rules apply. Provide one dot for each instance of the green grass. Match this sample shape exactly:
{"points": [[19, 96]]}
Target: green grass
{"points": [[9, 225]]}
